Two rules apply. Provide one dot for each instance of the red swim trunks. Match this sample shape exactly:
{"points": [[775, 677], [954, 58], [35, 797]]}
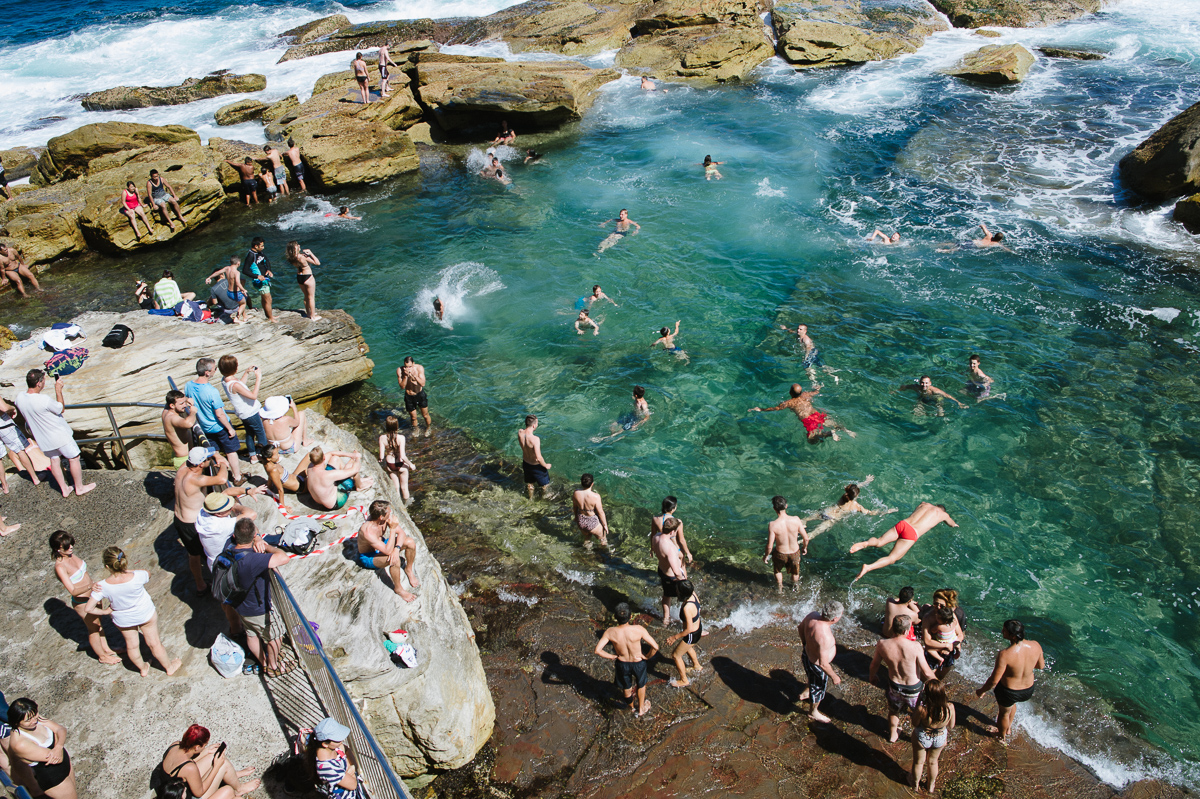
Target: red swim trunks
{"points": [[905, 531], [814, 422]]}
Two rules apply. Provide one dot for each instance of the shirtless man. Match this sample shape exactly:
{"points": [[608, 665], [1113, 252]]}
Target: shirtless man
{"points": [[783, 550], [247, 169], [362, 76], [234, 289], [670, 564], [883, 238], [904, 534], [816, 636], [812, 355], [537, 471], [906, 671], [846, 505], [385, 61], [989, 239], [190, 482], [1013, 678], [178, 419], [13, 267], [929, 394], [598, 294], [589, 512], [629, 660], [380, 544], [623, 222], [330, 486], [669, 504], [411, 377], [293, 157], [585, 320], [902, 604], [979, 385], [279, 171], [162, 194], [814, 421], [631, 420]]}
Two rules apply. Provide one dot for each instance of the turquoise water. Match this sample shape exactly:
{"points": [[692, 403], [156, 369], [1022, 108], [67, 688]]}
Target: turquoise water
{"points": [[1076, 494]]}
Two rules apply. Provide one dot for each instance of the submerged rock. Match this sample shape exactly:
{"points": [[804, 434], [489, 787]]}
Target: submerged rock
{"points": [[1168, 163], [570, 27], [464, 94], [1014, 13], [191, 90], [994, 64], [1187, 212], [239, 112], [311, 31], [706, 53], [990, 34], [816, 33], [1071, 52]]}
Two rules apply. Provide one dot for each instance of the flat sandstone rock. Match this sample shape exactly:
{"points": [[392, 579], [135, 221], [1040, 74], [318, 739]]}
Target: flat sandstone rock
{"points": [[994, 64], [1014, 13], [818, 33], [191, 90], [1168, 163]]}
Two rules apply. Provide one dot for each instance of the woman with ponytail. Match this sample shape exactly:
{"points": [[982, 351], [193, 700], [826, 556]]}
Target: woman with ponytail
{"points": [[132, 610]]}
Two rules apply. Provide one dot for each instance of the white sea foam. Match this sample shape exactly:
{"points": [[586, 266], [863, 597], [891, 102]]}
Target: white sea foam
{"points": [[455, 285], [508, 596], [765, 189], [1165, 314], [316, 212], [576, 576]]}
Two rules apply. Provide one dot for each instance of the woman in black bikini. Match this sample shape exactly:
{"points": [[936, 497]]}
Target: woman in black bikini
{"points": [[37, 743], [304, 261], [205, 768], [13, 266]]}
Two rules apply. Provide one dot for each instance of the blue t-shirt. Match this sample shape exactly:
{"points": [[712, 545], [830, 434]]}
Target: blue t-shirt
{"points": [[207, 402]]}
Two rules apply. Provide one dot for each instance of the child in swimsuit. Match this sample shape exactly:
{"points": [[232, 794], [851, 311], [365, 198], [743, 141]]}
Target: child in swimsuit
{"points": [[667, 339]]}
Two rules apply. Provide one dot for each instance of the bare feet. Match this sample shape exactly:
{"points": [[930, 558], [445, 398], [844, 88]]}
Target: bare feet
{"points": [[248, 787], [821, 717], [645, 709], [81, 490], [412, 579], [246, 772], [405, 595], [803, 697], [174, 666], [10, 529], [109, 660], [315, 318], [144, 671], [861, 572], [677, 683], [856, 547], [66, 492], [895, 736]]}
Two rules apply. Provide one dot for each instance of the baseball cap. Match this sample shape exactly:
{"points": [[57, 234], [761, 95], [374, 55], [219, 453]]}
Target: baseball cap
{"points": [[328, 729], [198, 455]]}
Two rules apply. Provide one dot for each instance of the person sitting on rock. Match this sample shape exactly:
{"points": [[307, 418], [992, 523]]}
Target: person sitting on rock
{"points": [[285, 424], [12, 264], [330, 486], [381, 542], [279, 479], [161, 194], [506, 135], [167, 294], [131, 206]]}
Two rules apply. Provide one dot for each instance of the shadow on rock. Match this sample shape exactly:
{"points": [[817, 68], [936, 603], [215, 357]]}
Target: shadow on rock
{"points": [[843, 744], [556, 672], [754, 687]]}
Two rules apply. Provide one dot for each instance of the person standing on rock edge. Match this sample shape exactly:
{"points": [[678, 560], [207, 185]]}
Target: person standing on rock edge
{"points": [[385, 61], [210, 412], [669, 504], [362, 76], [249, 188], [783, 548], [693, 629], [537, 471], [671, 571], [589, 512], [293, 157], [1013, 677], [277, 168], [257, 267], [50, 430], [907, 672], [161, 195], [304, 260], [819, 648], [411, 377], [630, 660], [190, 482], [178, 419]]}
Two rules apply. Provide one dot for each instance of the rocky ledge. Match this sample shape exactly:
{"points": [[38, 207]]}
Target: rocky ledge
{"points": [[1014, 13], [308, 360], [994, 64], [191, 90], [820, 33], [1167, 164]]}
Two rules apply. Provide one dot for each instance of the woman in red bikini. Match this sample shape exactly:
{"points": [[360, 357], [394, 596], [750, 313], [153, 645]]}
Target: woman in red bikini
{"points": [[904, 534], [131, 205]]}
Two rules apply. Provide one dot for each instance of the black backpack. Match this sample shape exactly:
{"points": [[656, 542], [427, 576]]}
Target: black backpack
{"points": [[226, 587], [116, 337]]}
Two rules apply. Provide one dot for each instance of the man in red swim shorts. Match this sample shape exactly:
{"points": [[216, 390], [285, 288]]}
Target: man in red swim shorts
{"points": [[904, 534], [814, 421]]}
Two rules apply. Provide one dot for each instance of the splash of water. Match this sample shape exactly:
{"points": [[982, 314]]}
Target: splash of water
{"points": [[455, 285]]}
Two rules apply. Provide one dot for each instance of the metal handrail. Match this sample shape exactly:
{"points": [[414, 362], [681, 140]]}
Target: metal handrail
{"points": [[372, 764], [112, 419]]}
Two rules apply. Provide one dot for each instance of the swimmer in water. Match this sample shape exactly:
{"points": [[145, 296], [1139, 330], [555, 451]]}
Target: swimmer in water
{"points": [[845, 506], [631, 420], [979, 385], [585, 320], [710, 168], [800, 403], [623, 222], [929, 394], [495, 170], [596, 295], [532, 157], [989, 240], [344, 213], [812, 355], [667, 339], [438, 309], [883, 238]]}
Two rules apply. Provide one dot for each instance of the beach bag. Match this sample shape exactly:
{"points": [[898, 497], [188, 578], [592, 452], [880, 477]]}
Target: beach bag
{"points": [[300, 536], [66, 362], [116, 337], [227, 657], [226, 587], [189, 311]]}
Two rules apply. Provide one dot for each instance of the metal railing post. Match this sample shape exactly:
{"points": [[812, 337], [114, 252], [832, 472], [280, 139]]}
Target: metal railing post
{"points": [[120, 439]]}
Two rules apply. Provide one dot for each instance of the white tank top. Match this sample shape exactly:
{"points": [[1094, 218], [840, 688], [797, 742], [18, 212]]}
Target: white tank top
{"points": [[244, 407]]}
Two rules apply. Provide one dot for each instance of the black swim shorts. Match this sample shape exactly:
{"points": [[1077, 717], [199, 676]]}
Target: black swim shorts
{"points": [[670, 586], [189, 537], [818, 680], [3, 179], [629, 675], [1007, 697], [536, 473], [249, 187], [414, 401]]}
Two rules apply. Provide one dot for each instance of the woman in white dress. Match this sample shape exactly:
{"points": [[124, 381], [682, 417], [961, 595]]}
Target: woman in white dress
{"points": [[132, 610]]}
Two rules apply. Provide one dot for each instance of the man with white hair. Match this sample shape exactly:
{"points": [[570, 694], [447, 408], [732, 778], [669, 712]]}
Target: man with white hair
{"points": [[816, 635]]}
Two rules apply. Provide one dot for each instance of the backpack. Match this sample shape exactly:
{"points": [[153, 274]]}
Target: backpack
{"points": [[66, 362], [300, 536], [226, 587], [116, 337]]}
